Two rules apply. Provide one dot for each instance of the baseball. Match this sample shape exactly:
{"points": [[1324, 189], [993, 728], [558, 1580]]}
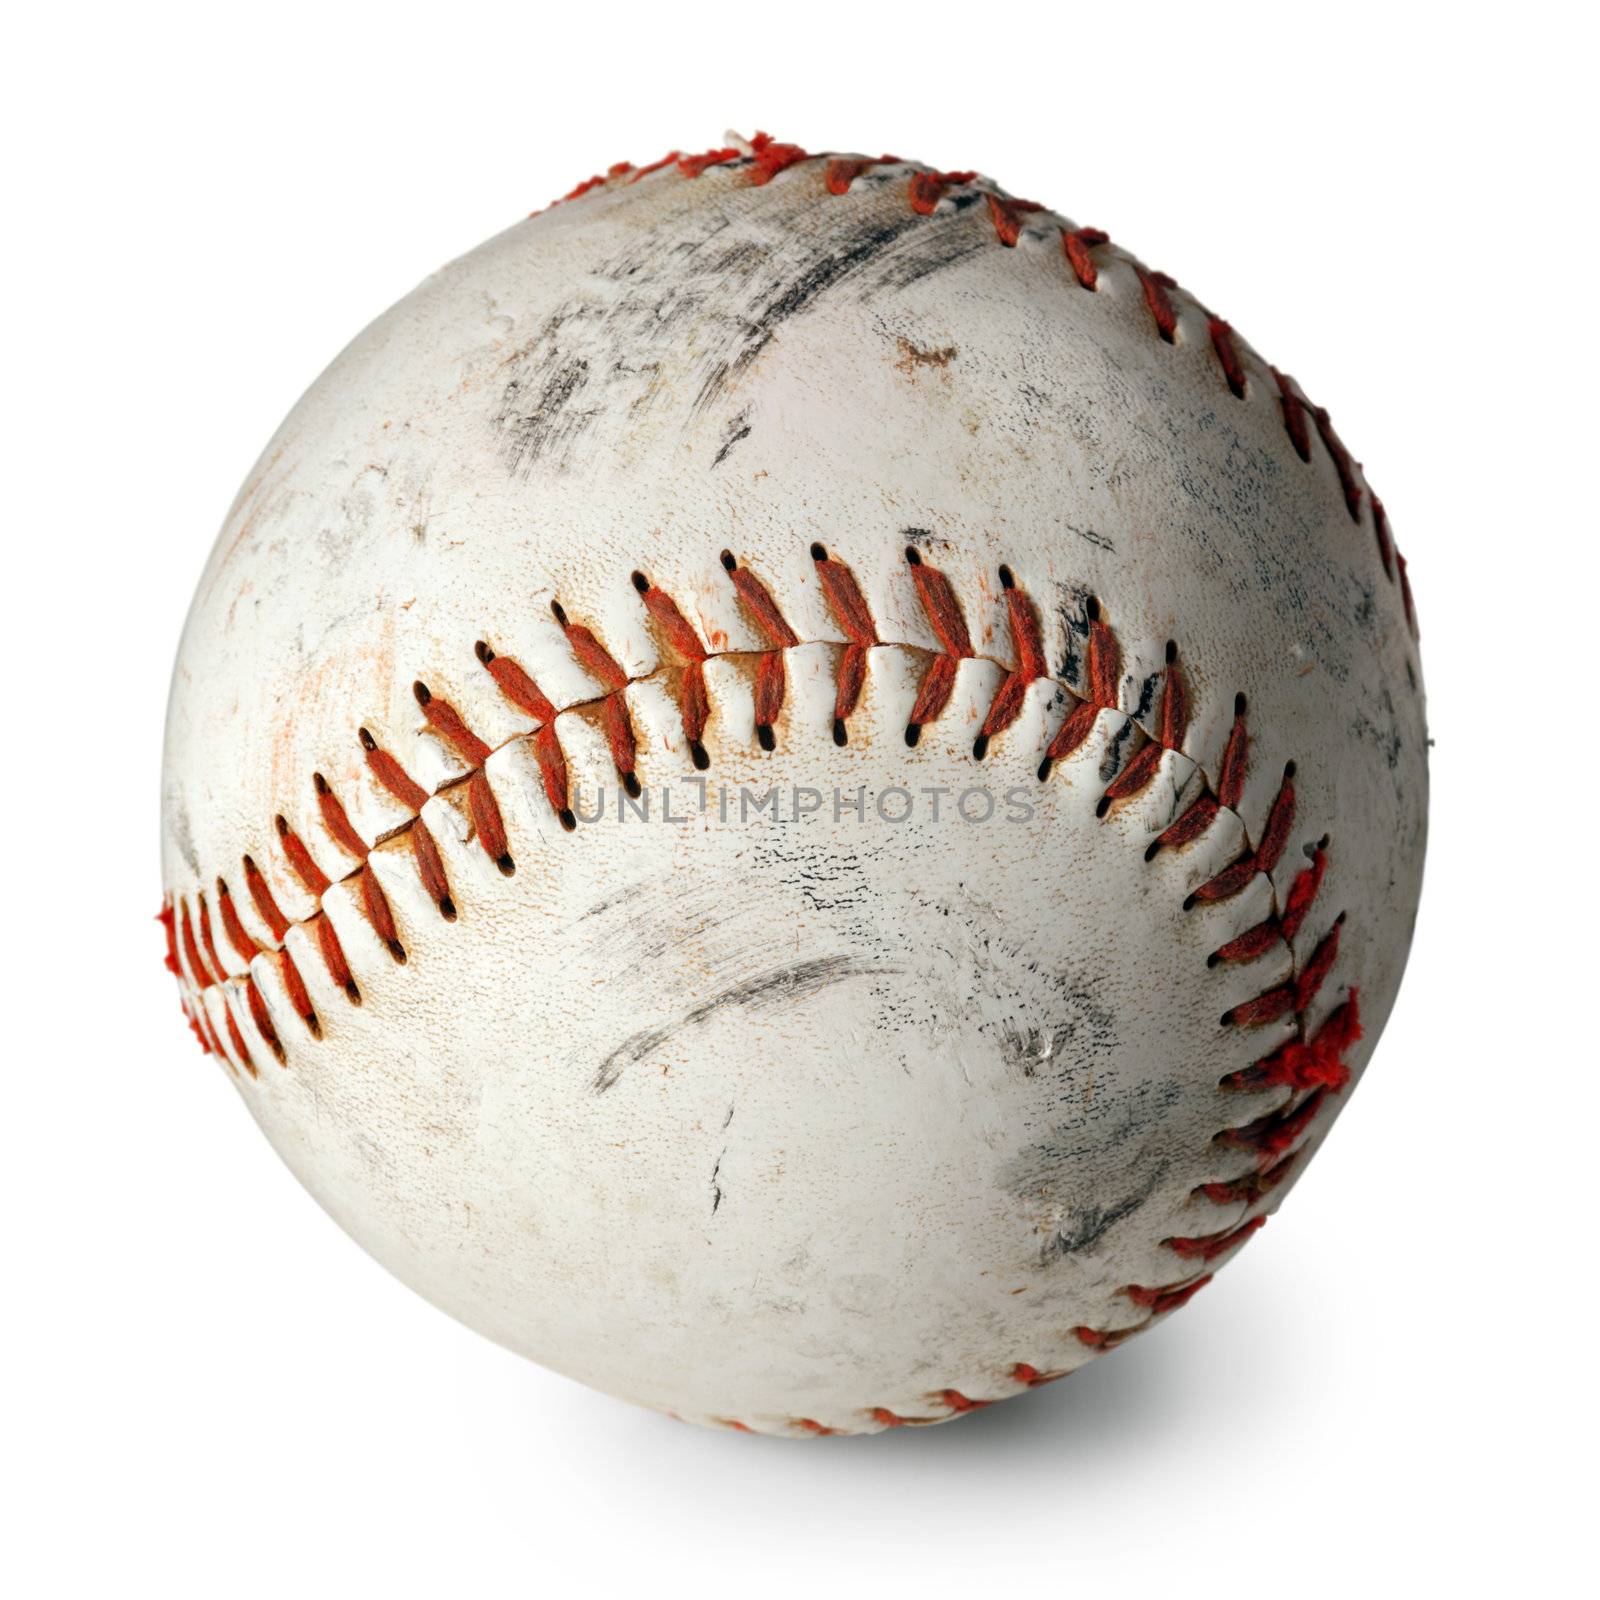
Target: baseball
{"points": [[798, 789]]}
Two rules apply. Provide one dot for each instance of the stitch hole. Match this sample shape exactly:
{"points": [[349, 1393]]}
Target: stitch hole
{"points": [[840, 736], [1104, 806], [640, 582], [367, 741], [1190, 901], [281, 824], [726, 558], [482, 651], [1239, 704], [1172, 651], [913, 558], [1153, 849], [420, 690], [1214, 959], [352, 993], [397, 950], [1288, 771], [913, 733], [1091, 608], [1006, 579], [447, 908], [1044, 769], [631, 784], [697, 754], [567, 821], [818, 553], [980, 747], [764, 736], [558, 613]]}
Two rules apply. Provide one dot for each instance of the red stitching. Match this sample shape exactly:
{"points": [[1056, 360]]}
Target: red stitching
{"points": [[694, 704], [944, 616], [1207, 1247], [1028, 638], [927, 189], [263, 1020], [1155, 286], [316, 881], [236, 1039], [850, 611], [264, 903], [245, 947], [1272, 1134], [763, 611], [1006, 214], [167, 916], [1248, 1189], [1103, 679], [333, 958], [1307, 1064], [1076, 244], [1166, 1297], [207, 942], [392, 775], [336, 821], [299, 996]]}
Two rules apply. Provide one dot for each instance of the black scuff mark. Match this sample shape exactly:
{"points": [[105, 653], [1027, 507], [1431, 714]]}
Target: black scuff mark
{"points": [[1092, 536], [532, 428], [801, 980], [935, 251], [1147, 697], [716, 1188], [820, 276], [1111, 765], [622, 896], [1091, 1140], [738, 428], [1085, 1226], [1072, 606], [1082, 1030]]}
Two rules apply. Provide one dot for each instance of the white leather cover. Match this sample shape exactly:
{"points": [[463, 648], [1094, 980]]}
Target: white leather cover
{"points": [[799, 1122]]}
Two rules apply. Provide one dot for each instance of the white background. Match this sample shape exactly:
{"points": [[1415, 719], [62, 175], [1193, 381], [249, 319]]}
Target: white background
{"points": [[210, 1391]]}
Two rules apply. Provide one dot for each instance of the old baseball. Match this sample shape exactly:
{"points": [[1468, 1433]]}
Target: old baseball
{"points": [[798, 789]]}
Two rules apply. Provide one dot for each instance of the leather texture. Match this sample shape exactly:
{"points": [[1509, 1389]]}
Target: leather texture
{"points": [[812, 1122]]}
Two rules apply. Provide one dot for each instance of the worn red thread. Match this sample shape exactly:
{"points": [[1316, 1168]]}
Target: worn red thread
{"points": [[850, 611]]}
